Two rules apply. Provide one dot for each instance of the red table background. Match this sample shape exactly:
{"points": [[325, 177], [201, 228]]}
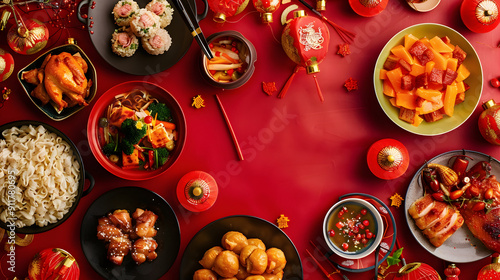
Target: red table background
{"points": [[300, 154]]}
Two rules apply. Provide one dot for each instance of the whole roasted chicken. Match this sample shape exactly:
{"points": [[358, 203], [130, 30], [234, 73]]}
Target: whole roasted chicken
{"points": [[61, 79]]}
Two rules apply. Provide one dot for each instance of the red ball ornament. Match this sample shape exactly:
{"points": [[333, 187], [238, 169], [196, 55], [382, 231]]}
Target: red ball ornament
{"points": [[490, 271], [6, 65], [53, 263], [29, 37], [368, 8], [266, 8], [226, 8], [480, 16], [489, 122], [417, 271], [197, 191]]}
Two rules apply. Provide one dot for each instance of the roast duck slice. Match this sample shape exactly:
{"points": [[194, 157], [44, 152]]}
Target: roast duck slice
{"points": [[61, 79], [437, 220]]}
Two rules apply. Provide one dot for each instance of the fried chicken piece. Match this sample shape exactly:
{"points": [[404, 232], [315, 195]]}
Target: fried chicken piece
{"points": [[144, 249], [145, 221]]}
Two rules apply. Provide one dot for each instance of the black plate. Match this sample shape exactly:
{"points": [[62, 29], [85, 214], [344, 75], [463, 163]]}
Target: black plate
{"points": [[101, 26], [81, 184], [251, 227], [130, 198], [48, 109]]}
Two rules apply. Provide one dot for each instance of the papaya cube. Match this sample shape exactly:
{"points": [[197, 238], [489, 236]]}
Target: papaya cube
{"points": [[429, 66], [417, 49], [452, 64], [383, 74], [426, 56], [462, 72], [460, 98], [388, 89], [426, 42], [429, 94], [391, 62], [401, 52], [393, 102], [131, 160], [410, 39], [427, 106], [405, 65], [459, 54], [406, 100], [439, 45], [417, 120], [439, 59], [449, 99], [394, 77], [446, 40], [421, 81], [417, 69], [407, 115], [436, 76], [449, 76], [460, 87], [434, 116], [407, 82]]}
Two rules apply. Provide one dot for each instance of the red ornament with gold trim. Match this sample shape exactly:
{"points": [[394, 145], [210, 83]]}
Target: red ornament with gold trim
{"points": [[53, 263], [266, 8], [490, 271], [388, 159], [305, 40], [6, 65], [368, 8], [489, 122], [226, 8], [29, 36], [197, 191], [417, 271], [480, 16]]}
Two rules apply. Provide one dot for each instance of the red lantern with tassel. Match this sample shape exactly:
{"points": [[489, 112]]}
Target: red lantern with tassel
{"points": [[53, 263], [226, 8], [6, 65], [266, 8], [417, 271], [490, 271], [28, 36], [480, 16], [305, 40]]}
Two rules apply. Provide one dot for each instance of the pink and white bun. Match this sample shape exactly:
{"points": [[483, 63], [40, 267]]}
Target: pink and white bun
{"points": [[124, 43], [145, 23], [123, 12], [162, 9], [157, 43]]}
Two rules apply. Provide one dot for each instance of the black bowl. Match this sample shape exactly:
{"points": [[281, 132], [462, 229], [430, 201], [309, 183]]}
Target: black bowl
{"points": [[81, 184], [48, 109], [130, 198], [251, 227]]}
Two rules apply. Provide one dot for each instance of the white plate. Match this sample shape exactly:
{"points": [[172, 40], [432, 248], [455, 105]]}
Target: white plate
{"points": [[462, 246], [426, 6]]}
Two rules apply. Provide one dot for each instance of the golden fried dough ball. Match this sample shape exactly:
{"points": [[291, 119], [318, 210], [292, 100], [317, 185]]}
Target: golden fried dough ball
{"points": [[257, 262], [269, 276], [204, 274], [242, 273], [255, 277], [245, 253], [234, 241], [276, 259], [230, 278], [209, 257], [226, 264], [257, 242]]}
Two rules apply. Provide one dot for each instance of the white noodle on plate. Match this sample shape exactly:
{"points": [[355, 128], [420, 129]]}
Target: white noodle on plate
{"points": [[47, 176]]}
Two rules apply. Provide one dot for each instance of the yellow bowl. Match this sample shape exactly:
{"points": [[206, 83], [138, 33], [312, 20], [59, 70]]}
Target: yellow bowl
{"points": [[462, 111]]}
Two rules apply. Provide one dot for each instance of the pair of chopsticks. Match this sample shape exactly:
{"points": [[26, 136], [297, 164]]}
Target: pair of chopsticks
{"points": [[194, 28]]}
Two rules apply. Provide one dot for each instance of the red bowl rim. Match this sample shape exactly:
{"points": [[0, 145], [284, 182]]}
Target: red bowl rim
{"points": [[98, 110]]}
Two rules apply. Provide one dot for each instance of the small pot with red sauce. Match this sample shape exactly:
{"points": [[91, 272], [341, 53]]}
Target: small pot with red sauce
{"points": [[353, 228]]}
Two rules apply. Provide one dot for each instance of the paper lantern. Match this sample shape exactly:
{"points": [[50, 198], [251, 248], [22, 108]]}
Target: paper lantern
{"points": [[266, 8], [28, 37], [305, 40], [480, 15], [53, 263], [226, 8], [489, 122], [6, 65], [417, 271]]}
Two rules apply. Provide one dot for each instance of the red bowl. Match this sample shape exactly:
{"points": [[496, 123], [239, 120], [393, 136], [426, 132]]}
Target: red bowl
{"points": [[98, 112]]}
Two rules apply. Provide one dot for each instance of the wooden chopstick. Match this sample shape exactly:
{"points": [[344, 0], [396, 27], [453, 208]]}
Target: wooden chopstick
{"points": [[230, 127]]}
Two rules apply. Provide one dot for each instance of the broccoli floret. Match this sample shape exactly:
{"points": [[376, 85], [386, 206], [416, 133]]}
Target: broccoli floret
{"points": [[110, 149], [161, 156], [161, 111], [133, 131], [126, 147]]}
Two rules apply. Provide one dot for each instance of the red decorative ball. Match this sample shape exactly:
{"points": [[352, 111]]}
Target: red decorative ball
{"points": [[490, 271], [480, 16], [6, 65], [226, 8], [53, 263], [28, 38], [417, 271], [489, 122]]}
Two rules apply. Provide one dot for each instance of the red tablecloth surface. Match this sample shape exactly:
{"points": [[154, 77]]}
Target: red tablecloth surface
{"points": [[300, 154]]}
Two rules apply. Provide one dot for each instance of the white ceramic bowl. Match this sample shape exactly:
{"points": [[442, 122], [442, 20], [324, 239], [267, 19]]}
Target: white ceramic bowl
{"points": [[378, 232]]}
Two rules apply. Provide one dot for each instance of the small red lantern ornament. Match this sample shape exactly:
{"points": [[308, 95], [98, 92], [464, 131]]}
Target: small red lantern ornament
{"points": [[197, 191], [266, 8], [28, 36], [388, 159], [53, 263], [490, 271], [480, 16], [226, 8], [6, 65], [305, 40], [417, 271], [368, 8], [489, 122], [452, 272]]}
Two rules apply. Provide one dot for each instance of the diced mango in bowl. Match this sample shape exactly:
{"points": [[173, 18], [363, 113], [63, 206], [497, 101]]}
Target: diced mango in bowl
{"points": [[425, 78]]}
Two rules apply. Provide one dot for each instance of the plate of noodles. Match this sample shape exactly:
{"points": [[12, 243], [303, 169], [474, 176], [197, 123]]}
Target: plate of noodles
{"points": [[44, 202], [102, 26]]}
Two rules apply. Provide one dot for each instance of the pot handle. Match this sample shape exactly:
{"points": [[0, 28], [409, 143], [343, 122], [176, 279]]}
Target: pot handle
{"points": [[79, 14], [91, 185], [201, 16]]}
